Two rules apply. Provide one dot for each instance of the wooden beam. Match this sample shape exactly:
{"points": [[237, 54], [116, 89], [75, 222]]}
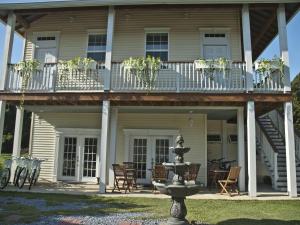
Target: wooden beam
{"points": [[83, 98], [23, 22]]}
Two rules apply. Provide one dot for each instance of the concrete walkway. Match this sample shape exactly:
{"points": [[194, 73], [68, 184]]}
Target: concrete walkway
{"points": [[93, 189]]}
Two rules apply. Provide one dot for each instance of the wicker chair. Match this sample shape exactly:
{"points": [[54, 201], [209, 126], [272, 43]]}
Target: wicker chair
{"points": [[159, 174]]}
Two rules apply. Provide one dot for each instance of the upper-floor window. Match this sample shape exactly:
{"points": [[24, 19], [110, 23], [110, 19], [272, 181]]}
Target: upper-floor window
{"points": [[96, 47], [157, 45]]}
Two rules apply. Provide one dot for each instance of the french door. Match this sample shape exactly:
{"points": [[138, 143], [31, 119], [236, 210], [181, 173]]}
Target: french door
{"points": [[147, 151], [79, 158]]}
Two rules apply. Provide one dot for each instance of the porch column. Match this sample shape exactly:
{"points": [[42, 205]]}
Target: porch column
{"points": [[251, 147], [104, 145], [283, 45], [7, 49], [113, 143], [241, 147], [109, 44], [58, 139], [18, 131], [247, 47], [290, 149]]}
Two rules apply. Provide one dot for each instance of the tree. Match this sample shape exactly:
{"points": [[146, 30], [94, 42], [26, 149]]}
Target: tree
{"points": [[296, 101], [9, 127]]}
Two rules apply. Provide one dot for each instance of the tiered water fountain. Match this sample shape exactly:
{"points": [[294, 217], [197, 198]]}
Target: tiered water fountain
{"points": [[178, 190]]}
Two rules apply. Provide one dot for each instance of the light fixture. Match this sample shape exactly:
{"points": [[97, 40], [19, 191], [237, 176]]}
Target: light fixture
{"points": [[191, 119]]}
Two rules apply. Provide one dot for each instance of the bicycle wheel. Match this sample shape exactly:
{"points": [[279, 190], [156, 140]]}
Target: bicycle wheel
{"points": [[32, 179], [4, 180], [22, 177], [17, 171], [37, 176]]}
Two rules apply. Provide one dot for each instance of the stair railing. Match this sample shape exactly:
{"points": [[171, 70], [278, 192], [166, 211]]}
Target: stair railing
{"points": [[269, 151], [278, 121]]}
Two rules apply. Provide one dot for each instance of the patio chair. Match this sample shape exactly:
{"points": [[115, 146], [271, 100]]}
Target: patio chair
{"points": [[159, 174], [230, 184], [131, 165], [192, 172], [123, 177]]}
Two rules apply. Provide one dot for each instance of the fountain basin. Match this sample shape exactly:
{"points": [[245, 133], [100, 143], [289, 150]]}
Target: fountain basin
{"points": [[176, 166], [177, 191]]}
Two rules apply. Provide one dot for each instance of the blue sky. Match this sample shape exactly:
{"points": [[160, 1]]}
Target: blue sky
{"points": [[270, 51]]}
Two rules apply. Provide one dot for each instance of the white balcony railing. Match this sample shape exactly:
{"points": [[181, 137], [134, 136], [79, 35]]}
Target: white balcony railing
{"points": [[172, 77], [182, 77]]}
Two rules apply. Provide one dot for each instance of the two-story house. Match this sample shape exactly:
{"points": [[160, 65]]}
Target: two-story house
{"points": [[83, 124]]}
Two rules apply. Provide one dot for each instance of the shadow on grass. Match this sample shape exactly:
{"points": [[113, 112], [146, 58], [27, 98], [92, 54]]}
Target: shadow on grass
{"points": [[243, 221]]}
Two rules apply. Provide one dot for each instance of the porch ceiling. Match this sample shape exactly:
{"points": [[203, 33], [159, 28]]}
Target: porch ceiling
{"points": [[263, 17]]}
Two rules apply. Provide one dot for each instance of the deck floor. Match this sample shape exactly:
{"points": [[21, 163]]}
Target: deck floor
{"points": [[264, 192]]}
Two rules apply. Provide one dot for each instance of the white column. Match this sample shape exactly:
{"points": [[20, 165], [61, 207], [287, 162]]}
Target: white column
{"points": [[109, 45], [247, 47], [283, 45], [18, 131], [224, 140], [58, 137], [241, 147], [104, 145], [7, 49], [251, 147], [290, 149], [113, 144]]}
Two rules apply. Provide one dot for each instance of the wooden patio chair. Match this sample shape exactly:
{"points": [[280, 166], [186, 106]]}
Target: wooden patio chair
{"points": [[131, 165], [230, 184], [159, 174], [192, 172], [123, 179]]}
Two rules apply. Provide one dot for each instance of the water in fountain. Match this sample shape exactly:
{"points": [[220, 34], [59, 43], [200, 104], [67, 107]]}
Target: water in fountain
{"points": [[178, 190]]}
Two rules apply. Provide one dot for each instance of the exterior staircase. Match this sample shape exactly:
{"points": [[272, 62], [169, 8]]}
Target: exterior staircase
{"points": [[277, 142]]}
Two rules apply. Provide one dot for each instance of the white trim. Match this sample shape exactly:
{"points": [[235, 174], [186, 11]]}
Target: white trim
{"points": [[87, 43], [158, 31], [45, 33], [96, 31], [80, 134], [151, 132], [225, 41]]}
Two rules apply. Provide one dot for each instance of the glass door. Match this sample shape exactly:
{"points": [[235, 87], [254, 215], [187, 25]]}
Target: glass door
{"points": [[161, 150], [141, 159], [90, 150], [70, 159]]}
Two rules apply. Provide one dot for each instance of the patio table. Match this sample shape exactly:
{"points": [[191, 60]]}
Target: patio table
{"points": [[217, 175]]}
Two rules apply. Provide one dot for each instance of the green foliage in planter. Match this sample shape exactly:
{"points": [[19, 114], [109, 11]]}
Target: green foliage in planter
{"points": [[211, 65], [145, 69], [77, 65], [26, 70], [296, 101], [265, 67]]}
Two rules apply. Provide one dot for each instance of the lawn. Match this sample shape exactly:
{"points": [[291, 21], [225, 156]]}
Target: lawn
{"points": [[218, 212]]}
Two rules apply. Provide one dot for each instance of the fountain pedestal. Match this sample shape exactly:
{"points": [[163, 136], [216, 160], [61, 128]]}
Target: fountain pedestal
{"points": [[178, 190]]}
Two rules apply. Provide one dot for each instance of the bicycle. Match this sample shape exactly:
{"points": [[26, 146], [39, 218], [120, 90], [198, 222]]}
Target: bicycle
{"points": [[23, 172], [34, 173], [5, 174], [18, 161]]}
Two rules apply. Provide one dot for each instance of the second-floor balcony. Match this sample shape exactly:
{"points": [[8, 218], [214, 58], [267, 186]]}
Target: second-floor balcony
{"points": [[172, 77]]}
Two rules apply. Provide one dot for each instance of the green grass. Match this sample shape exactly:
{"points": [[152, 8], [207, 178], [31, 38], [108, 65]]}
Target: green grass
{"points": [[217, 212]]}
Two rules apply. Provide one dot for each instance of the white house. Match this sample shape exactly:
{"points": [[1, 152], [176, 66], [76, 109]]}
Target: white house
{"points": [[83, 123]]}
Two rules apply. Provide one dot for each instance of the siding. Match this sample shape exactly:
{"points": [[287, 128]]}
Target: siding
{"points": [[195, 137], [129, 39], [43, 139]]}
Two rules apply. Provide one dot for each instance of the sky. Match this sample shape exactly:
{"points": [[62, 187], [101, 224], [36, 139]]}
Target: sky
{"points": [[293, 30]]}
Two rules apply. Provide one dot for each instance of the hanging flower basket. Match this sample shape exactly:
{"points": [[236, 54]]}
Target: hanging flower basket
{"points": [[265, 67]]}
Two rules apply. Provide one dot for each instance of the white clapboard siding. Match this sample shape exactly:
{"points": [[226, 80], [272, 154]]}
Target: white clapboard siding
{"points": [[194, 137], [129, 38], [43, 141], [43, 145]]}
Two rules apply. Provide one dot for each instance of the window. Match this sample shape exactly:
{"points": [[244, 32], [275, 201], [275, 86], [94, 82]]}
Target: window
{"points": [[214, 138], [96, 47], [232, 138], [157, 45], [46, 38]]}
